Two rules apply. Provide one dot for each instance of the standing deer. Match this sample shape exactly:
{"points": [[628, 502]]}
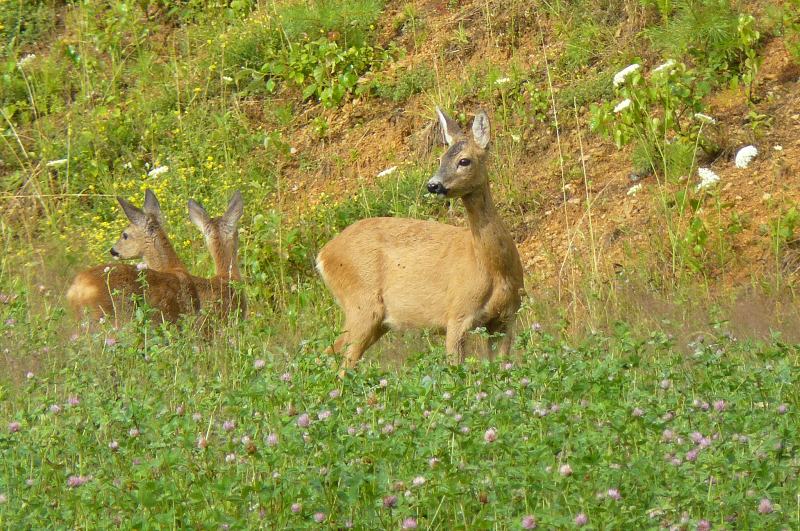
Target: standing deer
{"points": [[218, 294], [395, 273], [110, 289]]}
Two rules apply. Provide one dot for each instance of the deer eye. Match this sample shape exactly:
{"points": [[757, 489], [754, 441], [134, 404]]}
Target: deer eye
{"points": [[124, 235], [464, 162]]}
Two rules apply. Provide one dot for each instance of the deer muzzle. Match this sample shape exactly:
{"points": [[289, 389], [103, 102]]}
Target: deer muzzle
{"points": [[435, 186]]}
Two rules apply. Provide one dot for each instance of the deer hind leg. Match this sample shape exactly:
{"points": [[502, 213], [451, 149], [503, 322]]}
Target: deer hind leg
{"points": [[363, 328], [456, 338], [505, 340]]}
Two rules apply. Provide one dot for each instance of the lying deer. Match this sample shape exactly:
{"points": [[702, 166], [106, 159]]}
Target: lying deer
{"points": [[396, 273], [165, 284], [218, 294]]}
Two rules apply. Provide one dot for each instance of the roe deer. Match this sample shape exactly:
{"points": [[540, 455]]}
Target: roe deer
{"points": [[109, 289], [395, 273], [218, 294]]}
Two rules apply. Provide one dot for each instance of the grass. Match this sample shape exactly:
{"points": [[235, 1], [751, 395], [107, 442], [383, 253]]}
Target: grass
{"points": [[217, 436], [604, 399]]}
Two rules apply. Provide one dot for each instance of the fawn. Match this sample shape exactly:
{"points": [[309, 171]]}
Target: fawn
{"points": [[395, 273], [217, 294], [165, 285]]}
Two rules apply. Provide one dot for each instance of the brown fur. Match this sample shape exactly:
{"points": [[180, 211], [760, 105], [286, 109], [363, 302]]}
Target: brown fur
{"points": [[217, 294], [110, 289], [395, 273]]}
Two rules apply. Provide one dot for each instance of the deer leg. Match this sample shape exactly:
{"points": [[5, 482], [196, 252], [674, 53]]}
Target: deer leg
{"points": [[507, 329], [360, 340], [455, 339]]}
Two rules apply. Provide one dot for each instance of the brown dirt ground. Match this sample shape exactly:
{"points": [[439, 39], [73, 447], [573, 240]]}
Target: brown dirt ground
{"points": [[557, 233]]}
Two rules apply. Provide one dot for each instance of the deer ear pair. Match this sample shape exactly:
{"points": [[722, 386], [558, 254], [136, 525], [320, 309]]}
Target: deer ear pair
{"points": [[451, 131]]}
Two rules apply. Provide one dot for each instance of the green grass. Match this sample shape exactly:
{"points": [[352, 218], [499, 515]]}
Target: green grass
{"points": [[120, 88], [682, 436]]}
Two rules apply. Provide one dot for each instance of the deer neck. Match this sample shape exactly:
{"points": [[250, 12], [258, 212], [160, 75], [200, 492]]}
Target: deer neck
{"points": [[491, 240], [226, 264], [161, 256]]}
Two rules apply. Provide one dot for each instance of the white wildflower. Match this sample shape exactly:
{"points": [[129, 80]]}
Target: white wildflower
{"points": [[633, 190], [704, 118], [777, 147], [56, 163], [227, 79], [502, 81], [621, 106], [158, 171], [745, 156], [619, 77], [26, 60], [292, 150], [664, 66], [707, 178], [387, 171]]}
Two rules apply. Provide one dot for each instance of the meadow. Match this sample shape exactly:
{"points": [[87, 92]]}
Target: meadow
{"points": [[654, 378]]}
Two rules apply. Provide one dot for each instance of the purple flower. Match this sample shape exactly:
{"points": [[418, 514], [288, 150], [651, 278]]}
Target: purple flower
{"points": [[418, 481], [14, 426], [614, 494], [720, 406], [3, 498], [765, 506], [29, 375], [319, 517], [409, 523], [114, 446], [696, 437], [297, 507], [481, 395], [528, 522], [637, 412], [197, 417], [525, 382], [55, 409], [228, 425], [383, 383], [703, 525], [508, 366], [77, 481], [286, 377], [110, 341], [230, 458], [73, 400], [783, 408], [324, 415], [433, 461], [180, 410], [388, 429], [351, 430], [465, 429], [490, 436], [509, 393], [446, 395], [691, 455], [334, 394], [202, 442], [304, 421], [259, 364], [390, 502], [668, 435], [565, 470], [133, 432], [272, 439], [581, 519], [665, 384]]}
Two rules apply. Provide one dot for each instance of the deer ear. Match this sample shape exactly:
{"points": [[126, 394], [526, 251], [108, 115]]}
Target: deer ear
{"points": [[234, 212], [450, 129], [151, 206], [199, 216], [481, 130], [134, 214]]}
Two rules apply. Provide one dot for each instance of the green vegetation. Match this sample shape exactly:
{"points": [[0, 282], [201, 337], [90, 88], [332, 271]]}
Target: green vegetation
{"points": [[601, 411]]}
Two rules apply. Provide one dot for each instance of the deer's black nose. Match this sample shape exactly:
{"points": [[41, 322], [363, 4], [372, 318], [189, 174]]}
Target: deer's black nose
{"points": [[113, 252], [435, 187]]}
